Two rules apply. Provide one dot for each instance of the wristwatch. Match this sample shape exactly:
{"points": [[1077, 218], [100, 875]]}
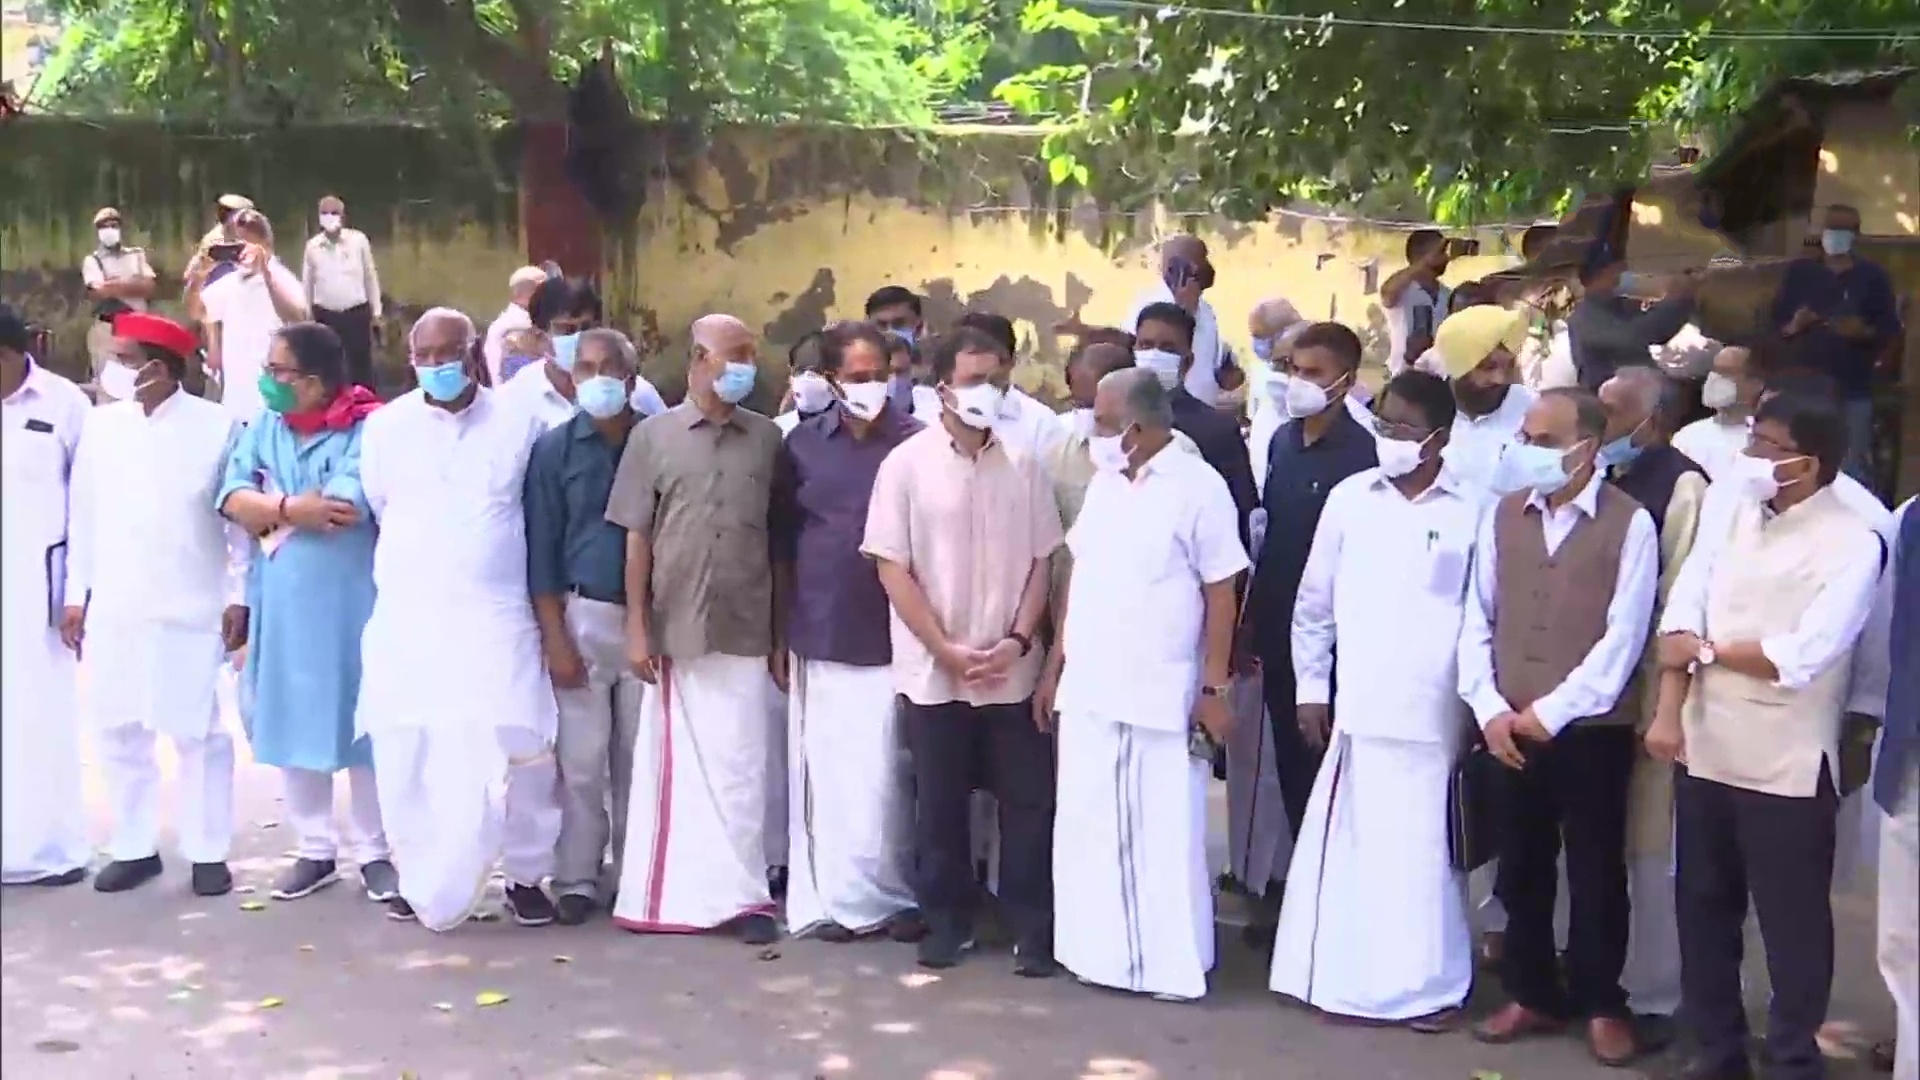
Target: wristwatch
{"points": [[1706, 656], [1219, 691], [1022, 640]]}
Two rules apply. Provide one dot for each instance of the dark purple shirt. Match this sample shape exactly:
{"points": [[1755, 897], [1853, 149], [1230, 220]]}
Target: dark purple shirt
{"points": [[839, 611]]}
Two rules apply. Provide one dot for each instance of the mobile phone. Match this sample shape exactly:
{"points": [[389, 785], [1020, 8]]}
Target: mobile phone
{"points": [[1200, 744], [1460, 248], [225, 253]]}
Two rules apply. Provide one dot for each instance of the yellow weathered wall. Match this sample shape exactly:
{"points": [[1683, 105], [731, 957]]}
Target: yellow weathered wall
{"points": [[1867, 160]]}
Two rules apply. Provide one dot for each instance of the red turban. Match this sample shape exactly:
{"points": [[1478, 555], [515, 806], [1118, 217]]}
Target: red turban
{"points": [[154, 330]]}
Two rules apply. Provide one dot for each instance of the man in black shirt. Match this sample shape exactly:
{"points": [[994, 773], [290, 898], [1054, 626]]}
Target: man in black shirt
{"points": [[1163, 341]]}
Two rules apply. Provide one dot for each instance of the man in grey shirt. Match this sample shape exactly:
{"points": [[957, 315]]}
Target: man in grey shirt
{"points": [[694, 491], [1607, 330]]}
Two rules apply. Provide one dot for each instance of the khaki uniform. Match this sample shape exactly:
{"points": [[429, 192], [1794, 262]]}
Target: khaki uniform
{"points": [[100, 266]]}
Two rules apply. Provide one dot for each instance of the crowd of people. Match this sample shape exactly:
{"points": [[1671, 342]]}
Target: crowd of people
{"points": [[1540, 664]]}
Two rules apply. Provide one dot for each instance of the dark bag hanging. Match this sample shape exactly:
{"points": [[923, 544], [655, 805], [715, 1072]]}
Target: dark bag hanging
{"points": [[1476, 808]]}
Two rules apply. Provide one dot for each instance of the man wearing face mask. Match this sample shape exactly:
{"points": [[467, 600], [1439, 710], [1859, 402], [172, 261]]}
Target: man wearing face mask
{"points": [[154, 600], [1321, 446], [561, 308], [696, 492], [1375, 925], [962, 529], [1564, 580], [897, 310], [1141, 712], [848, 845], [576, 573], [242, 312], [808, 392], [464, 764], [1163, 344], [1755, 650], [520, 289], [1731, 390], [1071, 466], [113, 271], [1185, 274], [1607, 329], [343, 287], [1480, 348], [1840, 315]]}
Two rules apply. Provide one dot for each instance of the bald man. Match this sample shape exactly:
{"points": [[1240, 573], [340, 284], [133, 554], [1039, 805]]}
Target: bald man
{"points": [[695, 492], [520, 288], [452, 689], [1185, 274]]}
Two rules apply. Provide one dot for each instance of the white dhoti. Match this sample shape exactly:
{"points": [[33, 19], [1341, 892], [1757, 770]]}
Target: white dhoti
{"points": [[696, 857], [43, 829], [773, 832], [1375, 923], [144, 678], [1130, 873], [847, 863], [464, 764], [1259, 840], [1899, 947]]}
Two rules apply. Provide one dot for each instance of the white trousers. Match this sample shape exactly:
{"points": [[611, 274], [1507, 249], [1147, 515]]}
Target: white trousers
{"points": [[1900, 922], [595, 748], [204, 781], [309, 797]]}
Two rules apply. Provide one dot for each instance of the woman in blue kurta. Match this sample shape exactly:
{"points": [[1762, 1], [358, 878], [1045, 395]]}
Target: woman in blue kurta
{"points": [[294, 483]]}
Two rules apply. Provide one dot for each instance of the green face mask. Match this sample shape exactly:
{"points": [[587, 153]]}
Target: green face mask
{"points": [[277, 395]]}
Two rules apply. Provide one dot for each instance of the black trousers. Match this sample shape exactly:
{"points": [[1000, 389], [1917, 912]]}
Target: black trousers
{"points": [[355, 327], [1572, 794], [1734, 843], [1295, 761], [957, 748]]}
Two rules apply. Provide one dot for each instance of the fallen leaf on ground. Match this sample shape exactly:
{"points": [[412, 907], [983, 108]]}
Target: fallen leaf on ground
{"points": [[563, 958], [490, 997], [56, 1046], [1485, 1074], [253, 905], [306, 948], [180, 995], [268, 824], [443, 1006], [769, 954], [245, 890], [271, 1002]]}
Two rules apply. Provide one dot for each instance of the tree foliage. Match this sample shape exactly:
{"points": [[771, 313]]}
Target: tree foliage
{"points": [[1244, 104]]}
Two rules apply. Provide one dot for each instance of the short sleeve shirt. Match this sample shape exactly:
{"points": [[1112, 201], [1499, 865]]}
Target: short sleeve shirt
{"points": [[700, 491]]}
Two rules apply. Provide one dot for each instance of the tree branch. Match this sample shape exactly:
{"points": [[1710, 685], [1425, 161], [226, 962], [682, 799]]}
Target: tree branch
{"points": [[522, 71]]}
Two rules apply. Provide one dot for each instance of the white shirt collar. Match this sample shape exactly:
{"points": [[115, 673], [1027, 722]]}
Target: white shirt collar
{"points": [[1446, 483], [34, 384]]}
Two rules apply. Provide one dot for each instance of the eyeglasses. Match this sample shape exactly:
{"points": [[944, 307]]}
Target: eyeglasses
{"points": [[1409, 432]]}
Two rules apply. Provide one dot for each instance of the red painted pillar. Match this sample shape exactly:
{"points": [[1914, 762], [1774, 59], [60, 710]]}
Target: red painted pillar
{"points": [[556, 221]]}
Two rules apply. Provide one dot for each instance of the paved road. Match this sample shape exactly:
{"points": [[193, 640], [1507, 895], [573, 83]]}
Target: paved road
{"points": [[160, 985]]}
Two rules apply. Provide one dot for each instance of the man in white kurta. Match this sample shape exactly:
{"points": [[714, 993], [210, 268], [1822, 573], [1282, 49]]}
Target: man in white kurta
{"points": [[1375, 926], [1143, 683], [452, 690], [153, 588], [44, 821]]}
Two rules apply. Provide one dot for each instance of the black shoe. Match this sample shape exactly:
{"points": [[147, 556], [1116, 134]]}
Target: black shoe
{"points": [[758, 929], [1033, 959], [1702, 1069], [943, 946], [212, 879], [572, 909], [529, 906], [66, 877], [832, 933], [304, 878], [1653, 1032], [1881, 1055], [400, 911], [124, 874], [907, 927], [777, 882], [380, 879]]}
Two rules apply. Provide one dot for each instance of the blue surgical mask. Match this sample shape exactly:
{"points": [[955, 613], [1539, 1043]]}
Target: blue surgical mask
{"points": [[1263, 348], [601, 397], [734, 383], [566, 348], [904, 333], [444, 382], [1621, 451], [1540, 468], [1836, 241]]}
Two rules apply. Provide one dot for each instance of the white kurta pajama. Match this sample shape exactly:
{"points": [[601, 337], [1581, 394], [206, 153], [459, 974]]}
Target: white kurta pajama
{"points": [[157, 566], [1375, 925], [452, 690], [1129, 856], [42, 818], [851, 823]]}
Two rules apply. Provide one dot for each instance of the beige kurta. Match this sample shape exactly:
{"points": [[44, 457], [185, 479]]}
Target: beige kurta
{"points": [[1650, 796]]}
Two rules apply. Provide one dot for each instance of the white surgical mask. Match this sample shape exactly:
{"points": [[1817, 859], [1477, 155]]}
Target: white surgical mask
{"points": [[866, 399], [1836, 241], [1164, 365], [1276, 386], [119, 382], [330, 222], [1755, 476], [1398, 457], [110, 236], [1719, 391], [811, 392], [977, 406], [1305, 398], [1080, 422], [1107, 453]]}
